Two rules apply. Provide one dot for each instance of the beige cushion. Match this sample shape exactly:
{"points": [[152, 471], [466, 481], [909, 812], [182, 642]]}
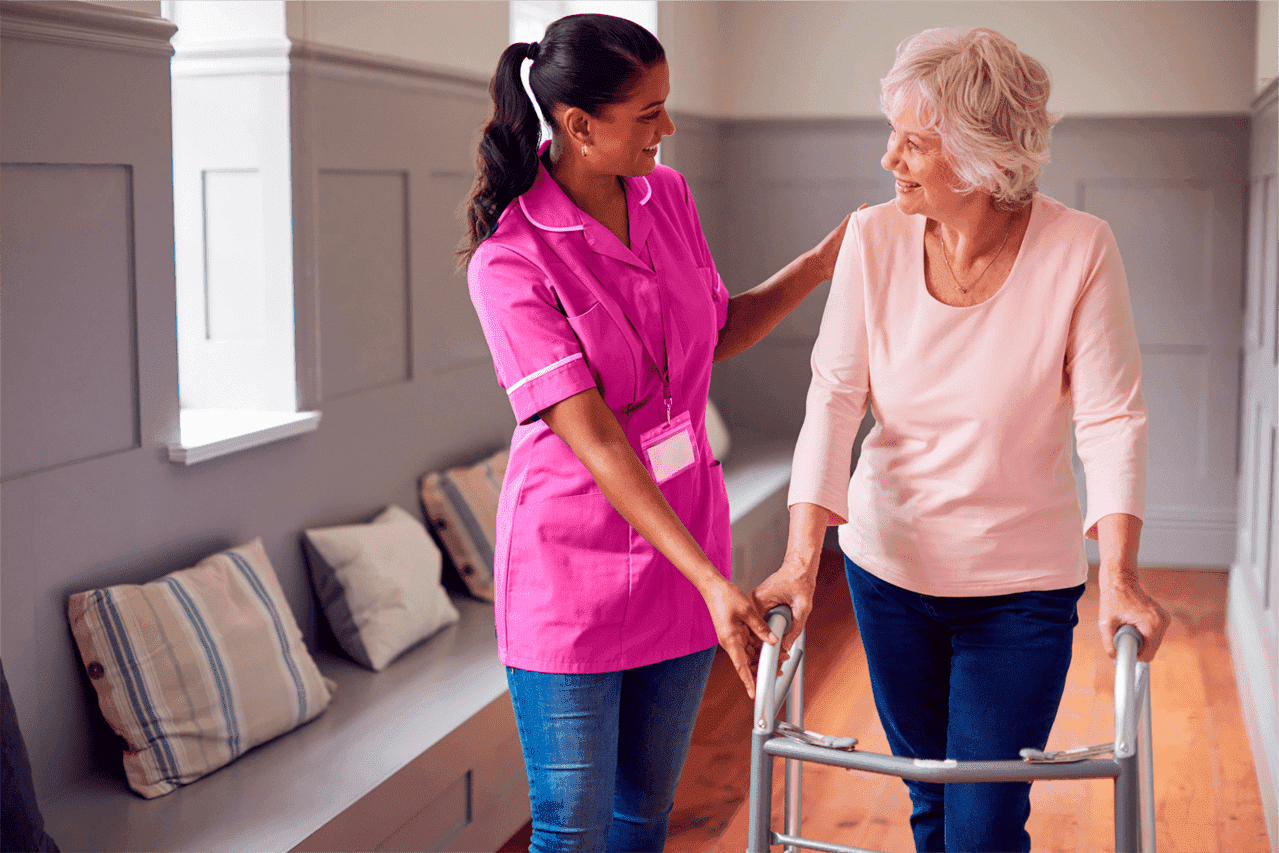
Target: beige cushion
{"points": [[198, 667], [461, 504], [380, 585]]}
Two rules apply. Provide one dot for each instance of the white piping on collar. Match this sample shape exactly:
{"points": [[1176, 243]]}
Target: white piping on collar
{"points": [[530, 218], [648, 193], [648, 190]]}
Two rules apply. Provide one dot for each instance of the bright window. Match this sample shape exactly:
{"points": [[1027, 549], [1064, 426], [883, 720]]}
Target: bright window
{"points": [[233, 227], [529, 18]]}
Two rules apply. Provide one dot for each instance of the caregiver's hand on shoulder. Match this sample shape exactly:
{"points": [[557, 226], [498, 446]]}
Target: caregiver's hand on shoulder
{"points": [[740, 628], [827, 251]]}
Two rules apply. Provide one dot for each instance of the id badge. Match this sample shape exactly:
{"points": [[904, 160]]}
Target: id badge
{"points": [[669, 448]]}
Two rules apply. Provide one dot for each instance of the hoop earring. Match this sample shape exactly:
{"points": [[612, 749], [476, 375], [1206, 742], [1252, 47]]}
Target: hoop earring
{"points": [[583, 150]]}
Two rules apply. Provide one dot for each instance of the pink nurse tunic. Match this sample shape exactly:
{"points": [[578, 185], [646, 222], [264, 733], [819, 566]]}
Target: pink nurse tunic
{"points": [[565, 307]]}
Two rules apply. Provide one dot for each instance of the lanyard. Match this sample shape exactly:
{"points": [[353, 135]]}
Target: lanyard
{"points": [[590, 277], [663, 368]]}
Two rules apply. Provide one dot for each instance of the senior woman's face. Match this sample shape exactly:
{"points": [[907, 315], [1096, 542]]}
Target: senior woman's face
{"points": [[925, 180]]}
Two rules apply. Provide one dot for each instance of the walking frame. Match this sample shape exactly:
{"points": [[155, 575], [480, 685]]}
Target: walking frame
{"points": [[1127, 759]]}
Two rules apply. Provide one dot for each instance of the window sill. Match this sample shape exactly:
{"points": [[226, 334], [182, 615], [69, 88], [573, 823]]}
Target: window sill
{"points": [[206, 434]]}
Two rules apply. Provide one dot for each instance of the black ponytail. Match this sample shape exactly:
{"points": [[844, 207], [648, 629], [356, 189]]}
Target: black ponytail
{"points": [[584, 61], [508, 150]]}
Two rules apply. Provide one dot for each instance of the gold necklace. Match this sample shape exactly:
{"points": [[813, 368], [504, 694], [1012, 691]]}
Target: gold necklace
{"points": [[941, 235]]}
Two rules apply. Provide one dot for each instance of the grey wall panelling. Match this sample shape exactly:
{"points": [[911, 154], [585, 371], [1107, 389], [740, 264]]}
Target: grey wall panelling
{"points": [[72, 315], [1172, 191], [1253, 616], [365, 298]]}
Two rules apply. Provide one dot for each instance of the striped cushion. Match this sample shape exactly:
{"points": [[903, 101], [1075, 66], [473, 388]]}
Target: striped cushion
{"points": [[198, 667], [461, 504]]}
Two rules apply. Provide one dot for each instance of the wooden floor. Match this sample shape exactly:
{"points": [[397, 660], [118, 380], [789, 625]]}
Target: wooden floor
{"points": [[1205, 787]]}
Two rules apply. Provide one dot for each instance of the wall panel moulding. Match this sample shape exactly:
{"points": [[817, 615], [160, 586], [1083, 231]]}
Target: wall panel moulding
{"points": [[87, 25]]}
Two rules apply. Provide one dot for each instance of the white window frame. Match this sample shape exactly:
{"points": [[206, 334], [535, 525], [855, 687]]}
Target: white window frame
{"points": [[233, 228]]}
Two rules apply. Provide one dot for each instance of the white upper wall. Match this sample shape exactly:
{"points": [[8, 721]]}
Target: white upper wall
{"points": [[824, 58], [228, 20], [1267, 42], [692, 32], [465, 35], [815, 59], [146, 7]]}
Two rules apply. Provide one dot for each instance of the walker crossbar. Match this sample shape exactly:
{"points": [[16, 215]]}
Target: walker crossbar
{"points": [[942, 771], [1130, 766]]}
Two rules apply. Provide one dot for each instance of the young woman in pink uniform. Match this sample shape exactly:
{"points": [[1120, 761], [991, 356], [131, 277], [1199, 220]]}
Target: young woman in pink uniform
{"points": [[980, 321], [603, 310]]}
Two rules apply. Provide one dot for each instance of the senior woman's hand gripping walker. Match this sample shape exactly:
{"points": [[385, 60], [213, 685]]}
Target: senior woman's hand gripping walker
{"points": [[981, 322]]}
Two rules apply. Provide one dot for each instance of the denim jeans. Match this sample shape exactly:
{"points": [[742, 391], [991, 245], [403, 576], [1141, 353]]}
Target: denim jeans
{"points": [[971, 679], [604, 751]]}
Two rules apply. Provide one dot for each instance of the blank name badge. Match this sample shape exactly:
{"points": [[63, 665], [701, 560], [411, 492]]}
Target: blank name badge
{"points": [[670, 448]]}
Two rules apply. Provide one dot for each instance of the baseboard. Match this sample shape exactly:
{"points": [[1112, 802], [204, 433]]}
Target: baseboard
{"points": [[1255, 676], [1178, 538]]}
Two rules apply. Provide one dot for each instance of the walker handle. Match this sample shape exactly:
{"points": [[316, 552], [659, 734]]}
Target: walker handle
{"points": [[769, 690], [1128, 642], [783, 612]]}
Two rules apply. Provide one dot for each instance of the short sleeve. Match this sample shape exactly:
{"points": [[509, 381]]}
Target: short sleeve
{"points": [[536, 355]]}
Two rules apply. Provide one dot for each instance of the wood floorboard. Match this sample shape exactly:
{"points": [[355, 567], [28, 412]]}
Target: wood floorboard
{"points": [[1205, 786]]}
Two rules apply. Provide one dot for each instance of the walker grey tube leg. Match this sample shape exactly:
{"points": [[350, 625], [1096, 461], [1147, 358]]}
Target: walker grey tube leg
{"points": [[761, 794], [763, 721], [1128, 806], [1127, 754], [1145, 752], [794, 769]]}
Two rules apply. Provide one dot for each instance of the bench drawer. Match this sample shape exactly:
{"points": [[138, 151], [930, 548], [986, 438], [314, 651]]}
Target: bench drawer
{"points": [[468, 789]]}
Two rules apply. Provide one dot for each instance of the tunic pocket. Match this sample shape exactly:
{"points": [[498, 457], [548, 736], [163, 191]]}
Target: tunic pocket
{"points": [[568, 576], [607, 354]]}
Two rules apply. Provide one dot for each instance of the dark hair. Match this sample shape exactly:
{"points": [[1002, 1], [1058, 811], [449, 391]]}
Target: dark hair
{"points": [[583, 61]]}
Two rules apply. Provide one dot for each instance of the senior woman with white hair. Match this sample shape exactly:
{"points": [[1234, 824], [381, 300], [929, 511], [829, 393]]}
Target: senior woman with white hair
{"points": [[978, 319]]}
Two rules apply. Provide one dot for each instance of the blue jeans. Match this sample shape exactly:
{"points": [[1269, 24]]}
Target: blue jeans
{"points": [[604, 751], [971, 679]]}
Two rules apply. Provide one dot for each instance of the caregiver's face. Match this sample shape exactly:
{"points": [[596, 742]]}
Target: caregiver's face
{"points": [[627, 133]]}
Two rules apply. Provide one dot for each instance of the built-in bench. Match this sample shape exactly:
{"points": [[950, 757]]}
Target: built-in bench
{"points": [[421, 756], [757, 477]]}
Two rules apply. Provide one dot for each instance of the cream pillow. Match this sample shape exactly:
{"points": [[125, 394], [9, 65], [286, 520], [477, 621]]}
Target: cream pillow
{"points": [[198, 667], [380, 585]]}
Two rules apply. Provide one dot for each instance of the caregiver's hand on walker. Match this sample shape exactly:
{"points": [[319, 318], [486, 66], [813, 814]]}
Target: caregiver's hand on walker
{"points": [[1123, 601]]}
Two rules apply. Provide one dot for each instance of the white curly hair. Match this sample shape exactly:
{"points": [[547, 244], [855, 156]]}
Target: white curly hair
{"points": [[986, 99]]}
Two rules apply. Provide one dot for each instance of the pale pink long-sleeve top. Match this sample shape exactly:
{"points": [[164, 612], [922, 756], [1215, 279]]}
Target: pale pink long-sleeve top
{"points": [[964, 487]]}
